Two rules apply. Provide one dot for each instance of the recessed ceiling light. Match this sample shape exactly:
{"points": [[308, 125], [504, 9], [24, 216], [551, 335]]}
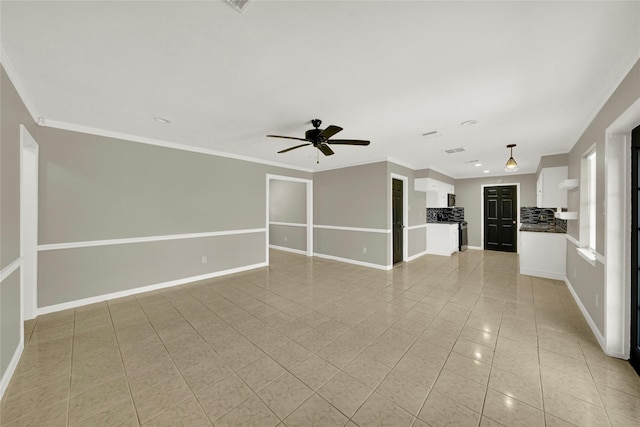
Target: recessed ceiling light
{"points": [[432, 134], [162, 120], [477, 164], [486, 171], [469, 123]]}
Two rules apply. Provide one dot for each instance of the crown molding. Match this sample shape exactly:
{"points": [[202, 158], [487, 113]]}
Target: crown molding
{"points": [[160, 143]]}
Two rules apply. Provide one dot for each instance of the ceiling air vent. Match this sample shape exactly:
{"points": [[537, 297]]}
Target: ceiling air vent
{"points": [[432, 134], [455, 150], [238, 5]]}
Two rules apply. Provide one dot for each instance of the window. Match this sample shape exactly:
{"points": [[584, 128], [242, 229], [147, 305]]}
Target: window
{"points": [[588, 205], [591, 172]]}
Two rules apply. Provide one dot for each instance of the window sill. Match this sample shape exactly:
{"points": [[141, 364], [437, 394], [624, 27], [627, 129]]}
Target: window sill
{"points": [[588, 255]]}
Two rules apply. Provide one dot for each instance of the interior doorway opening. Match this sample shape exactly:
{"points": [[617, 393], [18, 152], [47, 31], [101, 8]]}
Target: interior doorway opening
{"points": [[29, 152]]}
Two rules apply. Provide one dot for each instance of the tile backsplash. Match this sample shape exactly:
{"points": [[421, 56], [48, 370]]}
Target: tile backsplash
{"points": [[445, 214], [533, 215]]}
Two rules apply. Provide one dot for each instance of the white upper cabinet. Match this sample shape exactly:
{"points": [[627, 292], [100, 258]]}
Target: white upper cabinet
{"points": [[549, 193], [436, 191]]}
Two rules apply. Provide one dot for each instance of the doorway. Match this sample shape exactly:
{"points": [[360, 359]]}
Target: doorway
{"points": [[634, 352], [397, 219], [29, 222], [501, 218], [308, 214]]}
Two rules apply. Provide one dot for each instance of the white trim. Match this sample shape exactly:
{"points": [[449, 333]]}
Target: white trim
{"points": [[9, 269], [405, 215], [586, 315], [517, 184], [588, 255], [309, 197], [415, 227], [142, 289], [573, 240], [11, 368], [283, 248], [125, 241], [416, 256], [617, 238], [541, 273], [160, 143], [475, 248], [364, 230], [287, 224], [17, 83], [353, 261]]}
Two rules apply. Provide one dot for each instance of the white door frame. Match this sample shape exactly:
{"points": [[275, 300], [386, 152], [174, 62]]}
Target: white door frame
{"points": [[405, 216], [617, 239], [482, 187], [29, 153], [309, 227]]}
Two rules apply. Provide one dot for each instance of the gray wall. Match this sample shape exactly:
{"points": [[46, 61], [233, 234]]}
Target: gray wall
{"points": [[589, 281], [288, 203], [352, 197], [98, 188], [469, 196], [14, 113], [552, 161]]}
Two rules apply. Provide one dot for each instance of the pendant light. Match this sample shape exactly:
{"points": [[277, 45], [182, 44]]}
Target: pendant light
{"points": [[511, 165]]}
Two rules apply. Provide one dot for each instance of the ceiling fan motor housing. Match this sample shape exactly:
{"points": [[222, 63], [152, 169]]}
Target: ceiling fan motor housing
{"points": [[312, 135]]}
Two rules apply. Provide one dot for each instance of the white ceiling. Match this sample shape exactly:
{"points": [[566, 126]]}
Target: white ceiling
{"points": [[530, 73]]}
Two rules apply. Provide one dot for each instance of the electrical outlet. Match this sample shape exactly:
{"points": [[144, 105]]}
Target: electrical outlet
{"points": [[285, 238], [204, 259], [364, 250]]}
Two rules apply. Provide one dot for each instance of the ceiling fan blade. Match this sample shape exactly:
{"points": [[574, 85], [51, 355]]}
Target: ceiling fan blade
{"points": [[287, 137], [293, 148], [329, 131], [326, 150], [348, 142]]}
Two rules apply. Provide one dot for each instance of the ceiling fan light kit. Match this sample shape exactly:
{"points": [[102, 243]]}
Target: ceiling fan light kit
{"points": [[511, 165], [320, 139]]}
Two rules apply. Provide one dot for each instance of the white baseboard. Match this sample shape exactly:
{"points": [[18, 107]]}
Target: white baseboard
{"points": [[587, 316], [283, 248], [353, 261], [134, 291], [441, 253], [475, 248], [416, 256], [11, 368], [544, 274]]}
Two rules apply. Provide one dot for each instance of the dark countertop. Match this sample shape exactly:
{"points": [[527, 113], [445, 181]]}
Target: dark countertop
{"points": [[542, 228]]}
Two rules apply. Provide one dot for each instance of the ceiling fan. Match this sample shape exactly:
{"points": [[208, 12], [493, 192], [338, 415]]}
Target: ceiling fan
{"points": [[319, 138]]}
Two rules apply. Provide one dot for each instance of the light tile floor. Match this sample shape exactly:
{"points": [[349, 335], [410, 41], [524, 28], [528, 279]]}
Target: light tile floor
{"points": [[461, 340]]}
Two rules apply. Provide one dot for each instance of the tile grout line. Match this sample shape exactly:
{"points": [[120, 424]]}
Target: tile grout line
{"points": [[124, 368]]}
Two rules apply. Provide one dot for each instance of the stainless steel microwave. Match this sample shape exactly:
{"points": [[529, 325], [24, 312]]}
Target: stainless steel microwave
{"points": [[451, 200]]}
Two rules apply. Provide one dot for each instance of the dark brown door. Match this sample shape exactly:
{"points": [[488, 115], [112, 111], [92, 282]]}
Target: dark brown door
{"points": [[396, 203], [634, 355], [500, 217]]}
